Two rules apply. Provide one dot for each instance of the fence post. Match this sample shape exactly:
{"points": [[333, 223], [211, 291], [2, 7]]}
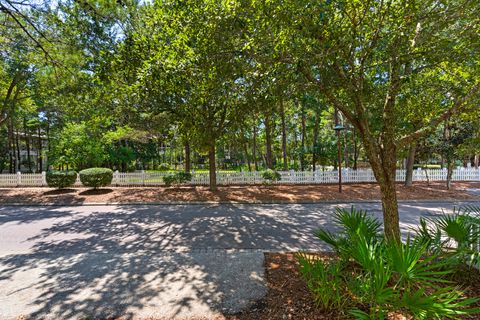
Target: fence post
{"points": [[44, 178], [19, 179]]}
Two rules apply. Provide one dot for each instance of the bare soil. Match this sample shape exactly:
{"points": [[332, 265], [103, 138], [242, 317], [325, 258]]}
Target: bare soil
{"points": [[248, 194]]}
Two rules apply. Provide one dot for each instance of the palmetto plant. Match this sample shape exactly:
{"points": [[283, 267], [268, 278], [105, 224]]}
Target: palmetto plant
{"points": [[456, 235], [378, 277], [354, 224]]}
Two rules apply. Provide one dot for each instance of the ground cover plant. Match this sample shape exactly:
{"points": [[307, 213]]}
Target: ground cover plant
{"points": [[61, 179], [372, 278], [96, 177]]}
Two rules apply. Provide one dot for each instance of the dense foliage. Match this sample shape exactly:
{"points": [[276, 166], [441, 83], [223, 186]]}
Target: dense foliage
{"points": [[61, 179], [96, 177], [243, 85]]}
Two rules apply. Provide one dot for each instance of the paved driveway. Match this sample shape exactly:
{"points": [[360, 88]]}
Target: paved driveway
{"points": [[155, 260]]}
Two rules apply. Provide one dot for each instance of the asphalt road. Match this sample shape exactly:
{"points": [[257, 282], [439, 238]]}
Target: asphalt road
{"points": [[67, 262], [179, 228]]}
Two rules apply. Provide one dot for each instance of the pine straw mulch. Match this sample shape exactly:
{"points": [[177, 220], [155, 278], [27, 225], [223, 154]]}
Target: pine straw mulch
{"points": [[244, 194], [289, 298]]}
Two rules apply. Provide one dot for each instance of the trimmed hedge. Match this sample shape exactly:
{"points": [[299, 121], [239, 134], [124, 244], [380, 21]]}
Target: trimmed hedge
{"points": [[96, 177], [177, 178], [61, 179]]}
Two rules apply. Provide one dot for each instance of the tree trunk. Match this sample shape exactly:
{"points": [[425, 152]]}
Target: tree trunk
{"points": [[315, 141], [40, 157], [17, 144], [212, 167], [247, 156], [268, 141], [284, 137], [302, 152], [355, 150], [476, 161], [27, 144], [187, 156], [449, 173], [346, 153], [48, 133], [409, 166], [254, 147], [245, 149], [390, 209], [11, 147]]}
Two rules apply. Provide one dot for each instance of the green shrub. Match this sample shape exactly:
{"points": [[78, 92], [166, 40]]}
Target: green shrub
{"points": [[164, 167], [177, 178], [61, 179], [96, 177], [378, 277], [270, 176]]}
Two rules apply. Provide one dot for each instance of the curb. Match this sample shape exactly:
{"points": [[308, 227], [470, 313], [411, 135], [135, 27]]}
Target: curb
{"points": [[177, 203]]}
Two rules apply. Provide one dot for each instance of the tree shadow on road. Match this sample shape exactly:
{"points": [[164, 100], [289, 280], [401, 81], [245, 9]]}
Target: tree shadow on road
{"points": [[120, 260]]}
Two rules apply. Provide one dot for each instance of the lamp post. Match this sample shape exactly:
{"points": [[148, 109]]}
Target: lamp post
{"points": [[338, 128]]}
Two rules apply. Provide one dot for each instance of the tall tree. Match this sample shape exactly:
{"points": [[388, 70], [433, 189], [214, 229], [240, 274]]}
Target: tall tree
{"points": [[359, 55]]}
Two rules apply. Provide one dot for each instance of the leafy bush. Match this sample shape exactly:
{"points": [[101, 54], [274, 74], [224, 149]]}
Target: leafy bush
{"points": [[372, 277], [177, 178], [164, 167], [456, 236], [61, 179], [270, 176], [96, 177]]}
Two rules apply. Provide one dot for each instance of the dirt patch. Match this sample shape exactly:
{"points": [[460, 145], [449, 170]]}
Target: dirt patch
{"points": [[250, 194], [289, 298]]}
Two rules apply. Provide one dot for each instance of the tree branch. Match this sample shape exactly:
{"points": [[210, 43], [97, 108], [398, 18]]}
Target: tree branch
{"points": [[458, 107]]}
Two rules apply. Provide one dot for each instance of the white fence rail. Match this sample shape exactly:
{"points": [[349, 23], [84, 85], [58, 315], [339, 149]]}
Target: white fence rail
{"points": [[248, 178]]}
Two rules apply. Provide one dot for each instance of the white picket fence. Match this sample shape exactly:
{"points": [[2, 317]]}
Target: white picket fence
{"points": [[248, 178]]}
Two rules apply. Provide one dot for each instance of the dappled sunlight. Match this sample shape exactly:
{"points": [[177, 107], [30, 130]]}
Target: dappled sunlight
{"points": [[127, 259]]}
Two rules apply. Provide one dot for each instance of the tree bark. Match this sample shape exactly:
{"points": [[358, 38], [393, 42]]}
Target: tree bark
{"points": [[40, 157], [390, 210], [410, 163], [11, 147], [187, 156], [476, 161], [268, 142], [27, 144], [254, 147], [284, 136], [17, 144], [247, 156], [315, 141], [245, 149], [212, 167], [449, 173], [302, 152], [355, 149]]}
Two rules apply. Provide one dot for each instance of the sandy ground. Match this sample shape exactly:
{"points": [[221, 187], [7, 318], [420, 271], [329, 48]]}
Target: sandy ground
{"points": [[249, 194]]}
